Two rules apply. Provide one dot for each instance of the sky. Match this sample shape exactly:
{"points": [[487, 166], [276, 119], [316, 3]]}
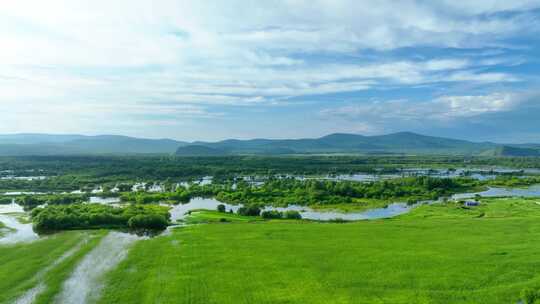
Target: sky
{"points": [[210, 70]]}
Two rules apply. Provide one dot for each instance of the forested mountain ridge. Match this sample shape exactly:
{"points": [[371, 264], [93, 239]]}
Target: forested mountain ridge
{"points": [[396, 143], [343, 143]]}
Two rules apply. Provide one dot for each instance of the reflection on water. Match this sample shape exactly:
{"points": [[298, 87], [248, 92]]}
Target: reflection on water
{"points": [[179, 211], [391, 210]]}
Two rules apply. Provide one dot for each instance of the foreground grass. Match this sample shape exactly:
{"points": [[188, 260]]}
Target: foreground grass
{"points": [[21, 263], [454, 257]]}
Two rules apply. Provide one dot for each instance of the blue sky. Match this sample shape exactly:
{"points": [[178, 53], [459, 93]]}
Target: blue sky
{"points": [[209, 70]]}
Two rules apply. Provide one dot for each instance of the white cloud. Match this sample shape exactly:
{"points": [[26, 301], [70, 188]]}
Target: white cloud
{"points": [[134, 56], [443, 108]]}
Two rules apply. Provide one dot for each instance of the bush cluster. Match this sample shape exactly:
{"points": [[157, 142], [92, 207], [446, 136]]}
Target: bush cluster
{"points": [[89, 216], [274, 214], [249, 211]]}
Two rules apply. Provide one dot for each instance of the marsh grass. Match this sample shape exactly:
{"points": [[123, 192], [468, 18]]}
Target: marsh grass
{"points": [[22, 262]]}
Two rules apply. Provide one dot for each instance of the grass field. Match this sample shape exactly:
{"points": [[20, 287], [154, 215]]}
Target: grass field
{"points": [[25, 265], [437, 254], [441, 253], [210, 216]]}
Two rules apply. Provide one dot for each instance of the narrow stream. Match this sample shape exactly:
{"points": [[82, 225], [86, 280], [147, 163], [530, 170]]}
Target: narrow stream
{"points": [[30, 295], [85, 284]]}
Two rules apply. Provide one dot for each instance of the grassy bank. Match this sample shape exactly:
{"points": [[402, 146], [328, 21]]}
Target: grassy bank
{"points": [[437, 254], [209, 216]]}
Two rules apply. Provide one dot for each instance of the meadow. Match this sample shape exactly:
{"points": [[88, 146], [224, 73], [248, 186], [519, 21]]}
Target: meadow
{"points": [[436, 254]]}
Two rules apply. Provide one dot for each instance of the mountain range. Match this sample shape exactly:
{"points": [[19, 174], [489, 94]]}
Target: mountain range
{"points": [[395, 143]]}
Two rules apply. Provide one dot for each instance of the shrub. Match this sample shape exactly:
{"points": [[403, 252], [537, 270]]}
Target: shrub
{"points": [[249, 211], [272, 214], [221, 208], [5, 200], [338, 220], [530, 296], [88, 216], [148, 221], [293, 215]]}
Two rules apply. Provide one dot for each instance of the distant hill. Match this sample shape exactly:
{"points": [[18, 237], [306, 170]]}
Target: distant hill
{"points": [[198, 150], [338, 143], [517, 151], [403, 143], [47, 144]]}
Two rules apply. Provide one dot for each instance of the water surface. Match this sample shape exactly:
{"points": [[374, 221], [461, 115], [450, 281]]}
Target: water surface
{"points": [[532, 191], [179, 211], [22, 232]]}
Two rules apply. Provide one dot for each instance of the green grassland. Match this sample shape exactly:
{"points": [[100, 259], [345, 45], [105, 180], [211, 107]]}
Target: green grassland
{"points": [[25, 265], [209, 216], [439, 253], [436, 254]]}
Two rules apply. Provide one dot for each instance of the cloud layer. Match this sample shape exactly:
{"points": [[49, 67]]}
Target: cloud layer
{"points": [[101, 66]]}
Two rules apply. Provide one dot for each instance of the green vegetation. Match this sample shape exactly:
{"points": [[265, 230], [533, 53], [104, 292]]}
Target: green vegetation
{"points": [[67, 173], [180, 195], [207, 216], [148, 221], [322, 194], [4, 229], [26, 265], [489, 208], [513, 181], [292, 215], [288, 191], [92, 216], [251, 210], [221, 208], [453, 257], [29, 202], [274, 214], [5, 200], [440, 253]]}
